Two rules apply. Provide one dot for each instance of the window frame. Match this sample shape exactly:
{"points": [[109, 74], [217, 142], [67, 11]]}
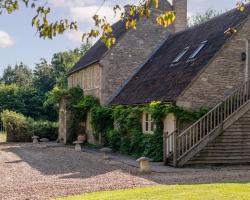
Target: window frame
{"points": [[180, 55], [197, 50], [148, 125]]}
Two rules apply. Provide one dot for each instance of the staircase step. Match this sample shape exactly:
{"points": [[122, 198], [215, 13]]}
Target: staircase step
{"points": [[240, 157], [232, 135], [226, 148], [235, 161], [222, 154], [231, 140], [229, 143], [236, 131], [239, 127]]}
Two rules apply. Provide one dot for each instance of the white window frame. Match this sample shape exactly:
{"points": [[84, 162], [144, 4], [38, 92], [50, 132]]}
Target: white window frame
{"points": [[148, 125], [198, 50], [180, 55]]}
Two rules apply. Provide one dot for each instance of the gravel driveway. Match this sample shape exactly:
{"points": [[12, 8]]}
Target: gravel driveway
{"points": [[33, 172]]}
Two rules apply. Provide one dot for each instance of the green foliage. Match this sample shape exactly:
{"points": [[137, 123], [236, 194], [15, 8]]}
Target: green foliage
{"points": [[101, 120], [25, 100], [127, 119], [15, 125], [43, 129], [62, 62], [128, 137], [20, 128], [37, 94], [87, 103], [120, 126], [19, 74], [43, 79]]}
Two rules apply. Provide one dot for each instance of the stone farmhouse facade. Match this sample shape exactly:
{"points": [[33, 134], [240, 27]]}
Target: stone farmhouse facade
{"points": [[189, 67]]}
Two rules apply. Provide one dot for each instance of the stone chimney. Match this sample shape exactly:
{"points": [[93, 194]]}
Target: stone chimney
{"points": [[180, 9], [127, 10]]}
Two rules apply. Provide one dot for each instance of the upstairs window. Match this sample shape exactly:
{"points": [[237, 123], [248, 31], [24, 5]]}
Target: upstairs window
{"points": [[180, 55], [197, 51]]}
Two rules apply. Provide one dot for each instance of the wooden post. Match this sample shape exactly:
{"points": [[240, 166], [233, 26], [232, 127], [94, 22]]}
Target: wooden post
{"points": [[165, 147], [175, 149]]}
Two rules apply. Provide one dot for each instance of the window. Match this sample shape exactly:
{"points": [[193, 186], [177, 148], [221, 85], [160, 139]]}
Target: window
{"points": [[148, 124], [179, 57], [197, 51]]}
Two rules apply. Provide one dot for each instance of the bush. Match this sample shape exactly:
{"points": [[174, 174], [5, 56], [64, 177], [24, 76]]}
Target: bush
{"points": [[43, 129], [114, 139], [15, 125], [20, 128]]}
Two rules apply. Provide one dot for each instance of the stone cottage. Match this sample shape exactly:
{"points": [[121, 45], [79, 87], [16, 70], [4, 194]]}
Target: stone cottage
{"points": [[102, 71], [203, 66]]}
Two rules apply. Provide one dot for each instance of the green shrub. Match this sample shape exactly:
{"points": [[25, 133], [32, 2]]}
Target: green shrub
{"points": [[15, 125], [114, 139], [43, 129], [20, 128]]}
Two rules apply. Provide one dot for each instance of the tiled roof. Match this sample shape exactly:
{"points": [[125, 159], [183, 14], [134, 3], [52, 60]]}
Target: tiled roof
{"points": [[97, 51], [160, 80]]}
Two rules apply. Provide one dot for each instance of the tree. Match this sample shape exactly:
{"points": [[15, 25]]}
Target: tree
{"points": [[20, 75], [43, 79], [102, 28], [63, 61], [202, 17]]}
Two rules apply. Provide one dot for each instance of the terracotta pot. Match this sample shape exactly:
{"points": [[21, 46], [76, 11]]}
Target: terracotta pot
{"points": [[82, 137]]}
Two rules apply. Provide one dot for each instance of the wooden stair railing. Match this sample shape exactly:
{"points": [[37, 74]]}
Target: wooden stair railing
{"points": [[178, 145]]}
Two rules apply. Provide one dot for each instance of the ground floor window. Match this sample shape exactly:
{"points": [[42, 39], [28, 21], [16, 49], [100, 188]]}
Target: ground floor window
{"points": [[148, 124]]}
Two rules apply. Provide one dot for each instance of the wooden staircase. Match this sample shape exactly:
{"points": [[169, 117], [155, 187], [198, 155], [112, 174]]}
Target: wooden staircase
{"points": [[231, 147], [222, 136]]}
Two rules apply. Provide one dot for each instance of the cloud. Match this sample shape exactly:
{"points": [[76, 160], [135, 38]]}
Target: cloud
{"points": [[5, 40], [72, 3], [85, 14], [75, 36]]}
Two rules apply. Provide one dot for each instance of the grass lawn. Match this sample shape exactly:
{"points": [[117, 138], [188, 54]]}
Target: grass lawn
{"points": [[230, 191], [2, 136]]}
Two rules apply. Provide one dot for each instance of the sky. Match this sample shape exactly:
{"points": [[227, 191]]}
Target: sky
{"points": [[19, 42]]}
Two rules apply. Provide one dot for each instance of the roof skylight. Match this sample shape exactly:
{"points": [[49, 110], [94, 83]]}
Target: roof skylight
{"points": [[197, 51], [180, 55]]}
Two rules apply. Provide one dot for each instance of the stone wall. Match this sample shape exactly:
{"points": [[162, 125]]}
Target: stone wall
{"points": [[221, 77], [130, 52], [180, 8], [89, 79], [64, 117]]}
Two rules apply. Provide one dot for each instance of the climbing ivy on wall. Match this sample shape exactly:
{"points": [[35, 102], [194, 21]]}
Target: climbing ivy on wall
{"points": [[120, 126]]}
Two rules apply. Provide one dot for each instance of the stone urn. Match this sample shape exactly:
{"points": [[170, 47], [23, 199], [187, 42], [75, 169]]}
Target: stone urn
{"points": [[82, 138]]}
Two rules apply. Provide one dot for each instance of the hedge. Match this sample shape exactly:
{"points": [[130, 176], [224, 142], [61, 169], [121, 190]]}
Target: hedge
{"points": [[20, 128]]}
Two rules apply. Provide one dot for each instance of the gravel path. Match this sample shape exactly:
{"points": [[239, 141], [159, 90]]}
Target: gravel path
{"points": [[33, 172]]}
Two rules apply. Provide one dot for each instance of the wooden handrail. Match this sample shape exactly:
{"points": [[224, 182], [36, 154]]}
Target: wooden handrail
{"points": [[178, 145]]}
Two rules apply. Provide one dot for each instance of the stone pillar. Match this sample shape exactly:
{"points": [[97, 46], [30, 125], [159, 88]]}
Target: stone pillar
{"points": [[64, 117], [180, 9]]}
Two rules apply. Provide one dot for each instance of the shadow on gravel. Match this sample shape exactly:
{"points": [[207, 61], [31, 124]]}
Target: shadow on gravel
{"points": [[69, 164], [61, 161]]}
